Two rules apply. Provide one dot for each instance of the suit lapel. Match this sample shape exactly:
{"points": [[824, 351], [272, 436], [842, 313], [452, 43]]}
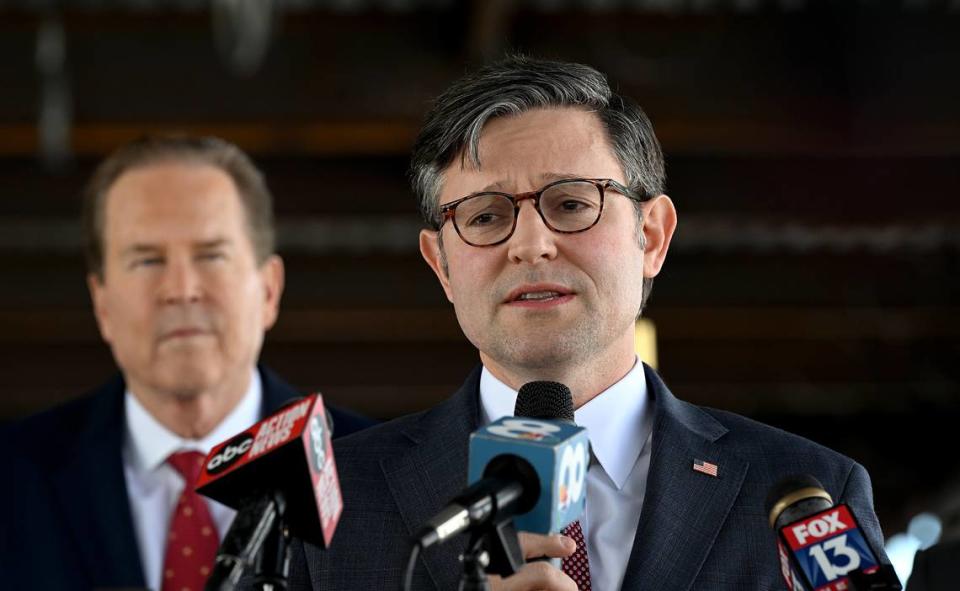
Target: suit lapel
{"points": [[683, 510], [92, 492], [434, 470], [276, 392]]}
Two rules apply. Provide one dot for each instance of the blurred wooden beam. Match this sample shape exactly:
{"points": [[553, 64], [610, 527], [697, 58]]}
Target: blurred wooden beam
{"points": [[439, 325], [721, 136], [318, 138]]}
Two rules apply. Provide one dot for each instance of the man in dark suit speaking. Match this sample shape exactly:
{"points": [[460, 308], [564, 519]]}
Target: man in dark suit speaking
{"points": [[544, 191], [184, 282]]}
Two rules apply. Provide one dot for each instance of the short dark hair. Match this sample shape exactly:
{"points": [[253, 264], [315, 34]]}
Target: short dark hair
{"points": [[147, 150], [516, 84]]}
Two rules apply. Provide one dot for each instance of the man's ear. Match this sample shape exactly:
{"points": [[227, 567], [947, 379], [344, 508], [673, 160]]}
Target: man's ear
{"points": [[272, 275], [100, 309], [433, 253], [659, 223]]}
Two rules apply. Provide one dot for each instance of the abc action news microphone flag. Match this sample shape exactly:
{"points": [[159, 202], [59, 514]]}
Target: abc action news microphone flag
{"points": [[289, 451]]}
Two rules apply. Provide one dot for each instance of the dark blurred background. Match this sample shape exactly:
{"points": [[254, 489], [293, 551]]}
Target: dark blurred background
{"points": [[813, 152]]}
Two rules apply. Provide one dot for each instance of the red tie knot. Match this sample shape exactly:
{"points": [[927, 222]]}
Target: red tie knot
{"points": [[188, 464]]}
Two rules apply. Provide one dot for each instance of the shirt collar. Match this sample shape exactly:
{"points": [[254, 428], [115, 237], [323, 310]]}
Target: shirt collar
{"points": [[149, 443], [618, 420]]}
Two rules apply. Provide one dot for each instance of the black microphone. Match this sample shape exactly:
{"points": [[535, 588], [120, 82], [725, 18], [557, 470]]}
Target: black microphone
{"points": [[544, 400], [281, 478], [821, 545]]}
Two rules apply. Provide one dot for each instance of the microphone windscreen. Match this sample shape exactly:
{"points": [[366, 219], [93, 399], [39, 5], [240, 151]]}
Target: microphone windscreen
{"points": [[789, 485], [544, 400], [796, 497]]}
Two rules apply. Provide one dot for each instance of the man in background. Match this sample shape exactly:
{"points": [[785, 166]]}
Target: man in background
{"points": [[544, 193], [184, 281], [935, 569]]}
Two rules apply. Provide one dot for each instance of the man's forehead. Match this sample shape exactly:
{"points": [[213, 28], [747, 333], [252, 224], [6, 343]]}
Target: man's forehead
{"points": [[169, 176], [526, 151], [196, 203]]}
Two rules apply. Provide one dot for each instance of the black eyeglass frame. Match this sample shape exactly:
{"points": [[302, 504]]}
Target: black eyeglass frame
{"points": [[448, 211]]}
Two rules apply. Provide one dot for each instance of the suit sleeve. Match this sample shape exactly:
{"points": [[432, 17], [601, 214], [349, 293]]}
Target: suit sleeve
{"points": [[858, 494]]}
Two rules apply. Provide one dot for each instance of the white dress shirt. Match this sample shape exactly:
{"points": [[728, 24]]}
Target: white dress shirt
{"points": [[619, 422], [153, 486]]}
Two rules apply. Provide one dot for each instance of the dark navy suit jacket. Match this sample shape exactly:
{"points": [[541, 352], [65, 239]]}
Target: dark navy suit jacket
{"points": [[695, 531], [66, 521]]}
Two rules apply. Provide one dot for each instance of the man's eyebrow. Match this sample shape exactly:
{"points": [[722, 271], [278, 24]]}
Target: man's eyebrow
{"points": [[144, 248], [557, 176], [209, 244], [137, 249], [546, 177]]}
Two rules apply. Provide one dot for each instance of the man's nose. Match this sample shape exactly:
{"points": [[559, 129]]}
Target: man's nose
{"points": [[181, 281], [532, 241]]}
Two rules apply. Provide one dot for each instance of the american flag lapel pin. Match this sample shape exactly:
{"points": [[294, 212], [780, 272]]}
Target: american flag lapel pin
{"points": [[705, 468]]}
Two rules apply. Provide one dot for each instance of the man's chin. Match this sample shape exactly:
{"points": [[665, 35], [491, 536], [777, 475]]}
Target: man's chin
{"points": [[187, 381], [535, 353]]}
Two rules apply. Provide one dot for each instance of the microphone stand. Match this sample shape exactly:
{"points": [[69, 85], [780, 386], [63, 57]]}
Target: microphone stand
{"points": [[258, 536], [273, 562], [475, 560], [882, 579], [495, 547]]}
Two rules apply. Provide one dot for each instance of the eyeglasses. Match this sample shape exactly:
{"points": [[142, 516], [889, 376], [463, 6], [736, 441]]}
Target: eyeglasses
{"points": [[567, 206]]}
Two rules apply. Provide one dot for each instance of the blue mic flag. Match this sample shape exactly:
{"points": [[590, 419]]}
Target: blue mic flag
{"points": [[559, 453]]}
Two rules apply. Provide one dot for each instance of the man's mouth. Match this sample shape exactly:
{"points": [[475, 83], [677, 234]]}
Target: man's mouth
{"points": [[534, 294], [539, 295], [183, 333]]}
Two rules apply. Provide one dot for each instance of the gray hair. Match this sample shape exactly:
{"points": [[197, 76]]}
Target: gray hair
{"points": [[512, 86]]}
